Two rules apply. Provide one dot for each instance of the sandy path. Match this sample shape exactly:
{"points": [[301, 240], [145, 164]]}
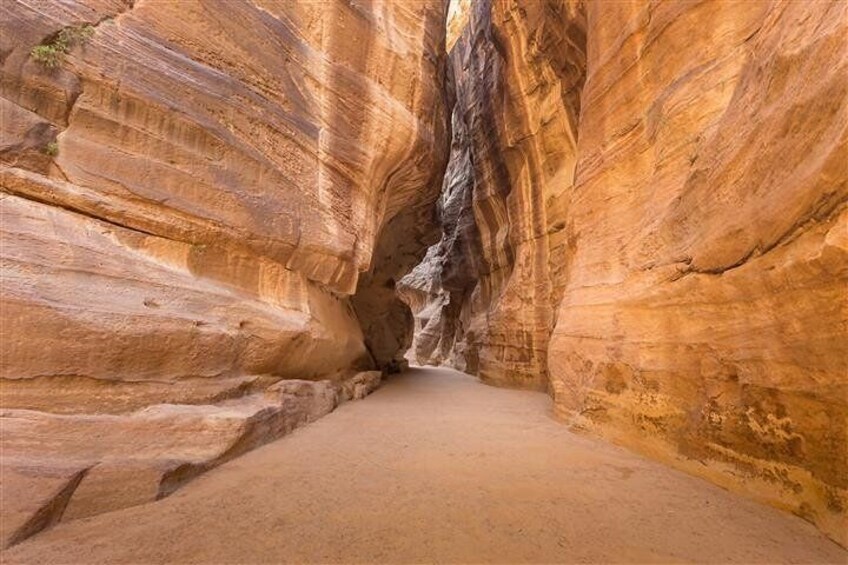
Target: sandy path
{"points": [[437, 467]]}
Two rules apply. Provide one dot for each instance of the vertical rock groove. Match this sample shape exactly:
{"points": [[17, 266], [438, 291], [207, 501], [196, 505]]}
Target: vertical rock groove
{"points": [[486, 295]]}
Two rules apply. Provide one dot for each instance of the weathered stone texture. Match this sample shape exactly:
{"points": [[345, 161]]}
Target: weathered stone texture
{"points": [[222, 174], [60, 467], [189, 199], [704, 315], [659, 194], [519, 69]]}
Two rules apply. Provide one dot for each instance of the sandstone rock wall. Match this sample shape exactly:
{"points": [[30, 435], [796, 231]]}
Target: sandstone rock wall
{"points": [[704, 314], [519, 70], [664, 246], [60, 467], [437, 288], [190, 195], [219, 176]]}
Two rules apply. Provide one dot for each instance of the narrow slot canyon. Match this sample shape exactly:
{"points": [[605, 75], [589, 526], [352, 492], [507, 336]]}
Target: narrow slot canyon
{"points": [[466, 281]]}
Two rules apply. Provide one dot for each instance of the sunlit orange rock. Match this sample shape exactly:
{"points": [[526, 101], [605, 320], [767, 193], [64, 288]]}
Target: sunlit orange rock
{"points": [[191, 195], [658, 192], [704, 314]]}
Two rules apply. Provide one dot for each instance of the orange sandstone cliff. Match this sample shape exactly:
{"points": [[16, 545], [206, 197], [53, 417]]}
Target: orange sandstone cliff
{"points": [[704, 312], [193, 192], [657, 192]]}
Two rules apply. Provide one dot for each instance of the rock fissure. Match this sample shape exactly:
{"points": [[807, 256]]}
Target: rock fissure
{"points": [[221, 220]]}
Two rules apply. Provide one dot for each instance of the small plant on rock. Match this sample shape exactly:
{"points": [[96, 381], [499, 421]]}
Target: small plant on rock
{"points": [[75, 35], [47, 55], [52, 54], [52, 148]]}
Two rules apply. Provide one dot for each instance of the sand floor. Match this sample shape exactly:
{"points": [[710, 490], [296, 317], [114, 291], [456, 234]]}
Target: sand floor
{"points": [[436, 467]]}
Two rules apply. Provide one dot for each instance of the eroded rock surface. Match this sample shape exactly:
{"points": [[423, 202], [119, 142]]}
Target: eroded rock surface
{"points": [[704, 314], [189, 198], [659, 194], [59, 467], [208, 209], [519, 70], [255, 150]]}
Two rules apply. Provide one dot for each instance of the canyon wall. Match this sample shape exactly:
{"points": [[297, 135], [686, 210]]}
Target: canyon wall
{"points": [[704, 313], [191, 191], [658, 191], [518, 70]]}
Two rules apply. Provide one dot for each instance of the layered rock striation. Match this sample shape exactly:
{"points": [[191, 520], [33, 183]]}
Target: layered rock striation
{"points": [[191, 193], [257, 149], [518, 71], [659, 195], [209, 211], [704, 312]]}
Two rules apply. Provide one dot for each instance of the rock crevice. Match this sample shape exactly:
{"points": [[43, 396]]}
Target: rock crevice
{"points": [[212, 214]]}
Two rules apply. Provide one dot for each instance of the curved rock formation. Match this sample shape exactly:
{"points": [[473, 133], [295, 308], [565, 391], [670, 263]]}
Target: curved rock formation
{"points": [[704, 314], [259, 149], [191, 191], [663, 247], [519, 70], [210, 209], [437, 288]]}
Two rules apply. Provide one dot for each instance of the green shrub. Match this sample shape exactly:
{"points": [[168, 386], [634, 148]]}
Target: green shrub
{"points": [[48, 55], [74, 35], [52, 148], [52, 54]]}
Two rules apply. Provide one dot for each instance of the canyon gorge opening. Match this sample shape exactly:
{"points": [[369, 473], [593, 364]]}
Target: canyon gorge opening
{"points": [[223, 220]]}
